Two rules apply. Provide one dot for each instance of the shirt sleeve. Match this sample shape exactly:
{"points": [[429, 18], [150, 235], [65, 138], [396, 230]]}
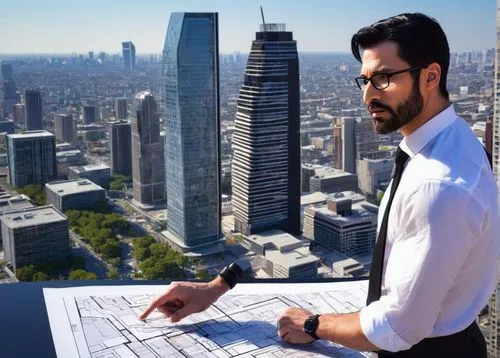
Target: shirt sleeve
{"points": [[437, 227]]}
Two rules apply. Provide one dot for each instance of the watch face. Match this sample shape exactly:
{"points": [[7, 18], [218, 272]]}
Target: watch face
{"points": [[311, 324]]}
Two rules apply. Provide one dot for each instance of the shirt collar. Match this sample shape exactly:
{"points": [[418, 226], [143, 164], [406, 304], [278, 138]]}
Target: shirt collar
{"points": [[417, 140]]}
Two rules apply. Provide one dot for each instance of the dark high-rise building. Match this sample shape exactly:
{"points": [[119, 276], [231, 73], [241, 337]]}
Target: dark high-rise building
{"points": [[120, 147], [31, 158], [64, 128], [7, 72], [89, 114], [191, 77], [121, 108], [128, 51], [148, 163], [19, 114], [266, 141], [33, 110], [10, 97]]}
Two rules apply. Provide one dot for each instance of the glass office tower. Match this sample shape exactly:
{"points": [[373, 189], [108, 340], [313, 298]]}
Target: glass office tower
{"points": [[191, 78]]}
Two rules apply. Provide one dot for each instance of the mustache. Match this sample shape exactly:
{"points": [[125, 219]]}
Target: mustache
{"points": [[380, 105]]}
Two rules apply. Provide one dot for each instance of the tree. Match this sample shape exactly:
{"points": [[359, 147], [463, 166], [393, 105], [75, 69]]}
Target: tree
{"points": [[25, 273], [40, 276], [113, 274], [81, 275], [111, 248], [34, 192]]}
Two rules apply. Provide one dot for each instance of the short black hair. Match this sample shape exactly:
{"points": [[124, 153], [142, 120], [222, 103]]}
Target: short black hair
{"points": [[420, 39]]}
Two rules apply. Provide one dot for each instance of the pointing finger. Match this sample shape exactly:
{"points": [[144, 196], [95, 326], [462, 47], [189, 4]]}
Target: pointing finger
{"points": [[157, 302]]}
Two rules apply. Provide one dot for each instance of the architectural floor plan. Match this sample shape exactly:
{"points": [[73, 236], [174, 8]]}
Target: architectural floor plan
{"points": [[101, 322]]}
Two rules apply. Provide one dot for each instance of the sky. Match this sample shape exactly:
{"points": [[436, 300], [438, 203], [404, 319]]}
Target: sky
{"points": [[66, 26]]}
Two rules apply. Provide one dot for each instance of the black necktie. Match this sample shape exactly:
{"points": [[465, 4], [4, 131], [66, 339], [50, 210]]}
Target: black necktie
{"points": [[375, 283]]}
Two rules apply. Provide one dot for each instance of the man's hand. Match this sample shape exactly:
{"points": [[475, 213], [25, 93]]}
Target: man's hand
{"points": [[291, 326], [184, 298]]}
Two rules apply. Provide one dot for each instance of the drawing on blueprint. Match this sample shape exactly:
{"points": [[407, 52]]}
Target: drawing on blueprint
{"points": [[103, 323]]}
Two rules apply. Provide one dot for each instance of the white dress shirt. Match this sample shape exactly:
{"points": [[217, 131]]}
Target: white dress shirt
{"points": [[442, 238]]}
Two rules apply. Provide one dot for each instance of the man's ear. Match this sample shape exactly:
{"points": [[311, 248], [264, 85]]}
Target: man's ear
{"points": [[431, 76]]}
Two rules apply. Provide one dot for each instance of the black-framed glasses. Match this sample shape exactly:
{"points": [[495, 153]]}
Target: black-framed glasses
{"points": [[382, 80]]}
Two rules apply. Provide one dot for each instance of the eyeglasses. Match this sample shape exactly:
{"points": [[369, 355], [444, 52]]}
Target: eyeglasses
{"points": [[382, 80]]}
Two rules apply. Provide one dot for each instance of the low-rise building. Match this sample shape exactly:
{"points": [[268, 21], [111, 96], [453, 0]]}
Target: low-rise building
{"points": [[284, 255], [74, 194], [99, 174], [37, 235], [342, 226], [332, 181]]}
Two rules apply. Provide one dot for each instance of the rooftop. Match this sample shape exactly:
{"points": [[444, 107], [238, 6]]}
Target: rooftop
{"points": [[69, 187], [32, 216], [292, 258], [278, 238], [88, 168], [11, 203], [31, 134], [361, 212]]}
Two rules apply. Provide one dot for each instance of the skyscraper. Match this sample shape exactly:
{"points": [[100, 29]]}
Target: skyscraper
{"points": [[128, 51], [148, 164], [89, 114], [191, 77], [10, 97], [64, 128], [349, 146], [19, 114], [33, 110], [266, 141], [121, 108], [31, 157], [120, 147], [7, 72]]}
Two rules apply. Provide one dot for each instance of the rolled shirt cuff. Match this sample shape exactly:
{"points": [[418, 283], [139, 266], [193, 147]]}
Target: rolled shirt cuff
{"points": [[378, 330]]}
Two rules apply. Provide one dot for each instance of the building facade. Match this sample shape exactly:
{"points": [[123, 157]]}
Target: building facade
{"points": [[73, 194], [98, 173], [121, 108], [33, 236], [64, 128], [89, 114], [128, 52], [31, 158], [374, 175], [341, 226], [266, 141], [33, 110], [148, 163], [120, 147], [192, 130]]}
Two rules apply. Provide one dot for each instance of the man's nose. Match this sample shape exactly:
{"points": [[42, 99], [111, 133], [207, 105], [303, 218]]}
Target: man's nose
{"points": [[370, 93]]}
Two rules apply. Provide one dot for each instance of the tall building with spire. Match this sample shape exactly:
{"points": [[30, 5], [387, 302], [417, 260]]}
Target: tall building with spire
{"points": [[148, 163], [266, 141], [191, 77]]}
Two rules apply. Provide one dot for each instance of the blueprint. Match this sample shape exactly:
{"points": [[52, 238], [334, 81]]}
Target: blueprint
{"points": [[101, 322]]}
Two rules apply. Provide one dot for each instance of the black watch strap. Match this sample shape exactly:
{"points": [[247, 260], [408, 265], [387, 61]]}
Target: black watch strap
{"points": [[311, 326], [231, 274]]}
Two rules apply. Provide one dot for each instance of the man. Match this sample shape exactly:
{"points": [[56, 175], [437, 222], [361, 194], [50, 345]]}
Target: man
{"points": [[433, 268]]}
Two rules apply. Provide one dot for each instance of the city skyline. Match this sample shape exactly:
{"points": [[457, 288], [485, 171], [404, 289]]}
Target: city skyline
{"points": [[324, 26]]}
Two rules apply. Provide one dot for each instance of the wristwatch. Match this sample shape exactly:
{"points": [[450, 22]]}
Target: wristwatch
{"points": [[311, 326], [231, 274]]}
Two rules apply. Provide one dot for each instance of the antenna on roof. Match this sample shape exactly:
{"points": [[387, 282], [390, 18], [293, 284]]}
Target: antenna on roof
{"points": [[262, 13]]}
